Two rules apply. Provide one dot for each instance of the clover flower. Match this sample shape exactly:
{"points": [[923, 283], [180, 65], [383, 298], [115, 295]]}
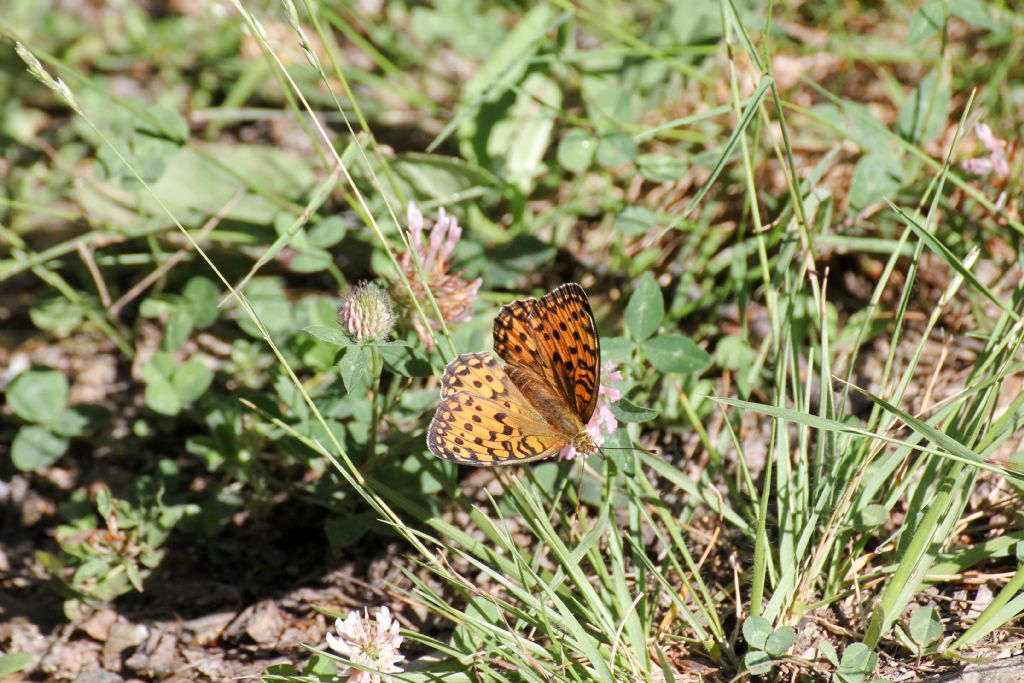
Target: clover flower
{"points": [[454, 294], [370, 643], [366, 313], [603, 422], [996, 161]]}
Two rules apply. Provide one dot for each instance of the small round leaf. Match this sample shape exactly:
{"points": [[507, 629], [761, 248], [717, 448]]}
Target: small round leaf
{"points": [[38, 395]]}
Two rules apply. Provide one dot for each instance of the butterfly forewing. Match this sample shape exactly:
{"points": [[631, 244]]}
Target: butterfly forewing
{"points": [[557, 336]]}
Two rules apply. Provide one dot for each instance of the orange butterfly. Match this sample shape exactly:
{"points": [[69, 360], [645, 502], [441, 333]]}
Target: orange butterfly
{"points": [[539, 402]]}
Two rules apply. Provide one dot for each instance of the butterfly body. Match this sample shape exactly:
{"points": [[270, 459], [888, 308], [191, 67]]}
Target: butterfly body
{"points": [[539, 402]]}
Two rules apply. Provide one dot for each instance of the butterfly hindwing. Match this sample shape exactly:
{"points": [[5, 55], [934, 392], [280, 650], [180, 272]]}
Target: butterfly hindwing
{"points": [[484, 419]]}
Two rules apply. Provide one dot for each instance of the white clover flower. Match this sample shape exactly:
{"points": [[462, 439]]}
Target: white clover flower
{"points": [[370, 643]]}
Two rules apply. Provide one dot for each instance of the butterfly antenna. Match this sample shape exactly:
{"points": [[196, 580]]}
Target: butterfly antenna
{"points": [[602, 449]]}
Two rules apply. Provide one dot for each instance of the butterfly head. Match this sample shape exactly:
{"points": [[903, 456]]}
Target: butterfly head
{"points": [[584, 443]]}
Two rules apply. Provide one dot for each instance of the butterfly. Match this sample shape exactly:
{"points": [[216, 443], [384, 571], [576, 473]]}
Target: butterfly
{"points": [[537, 403]]}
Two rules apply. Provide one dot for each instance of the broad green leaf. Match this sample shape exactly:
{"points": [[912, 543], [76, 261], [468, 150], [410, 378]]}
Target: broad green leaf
{"points": [[780, 641], [331, 335], [676, 353], [14, 662], [191, 380], [80, 420], [756, 631], [179, 327], [326, 233], [616, 149], [627, 411], [158, 120], [925, 627], [508, 60], [576, 150], [757, 662], [645, 309], [926, 21], [925, 112], [201, 295], [974, 12], [160, 395], [871, 516], [877, 176], [310, 261], [660, 168], [617, 349], [858, 660], [268, 299], [355, 370], [56, 314], [635, 220], [609, 103], [36, 447], [38, 395], [523, 137]]}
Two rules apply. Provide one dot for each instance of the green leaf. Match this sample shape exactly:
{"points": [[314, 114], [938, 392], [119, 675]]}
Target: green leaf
{"points": [[756, 631], [609, 103], [858, 662], [355, 369], [201, 295], [758, 662], [925, 627], [191, 380], [829, 652], [645, 309], [14, 662], [974, 12], [523, 137], [331, 335], [179, 328], [617, 349], [160, 395], [732, 352], [676, 353], [163, 121], [780, 641], [310, 261], [924, 114], [80, 420], [104, 503], [36, 447], [57, 315], [616, 149], [635, 220], [660, 168], [508, 60], [327, 232], [406, 360], [268, 299], [877, 176], [38, 395], [871, 516], [343, 532], [576, 150], [627, 411], [926, 21]]}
